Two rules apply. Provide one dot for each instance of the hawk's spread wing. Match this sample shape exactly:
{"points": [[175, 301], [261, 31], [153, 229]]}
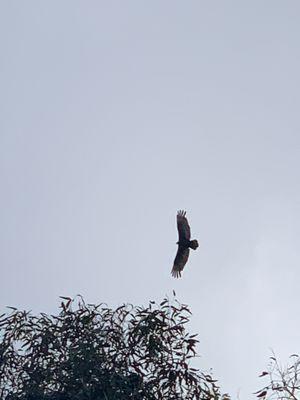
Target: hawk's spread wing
{"points": [[180, 261], [183, 227]]}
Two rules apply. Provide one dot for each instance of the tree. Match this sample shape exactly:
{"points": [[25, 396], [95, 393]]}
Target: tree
{"points": [[92, 352], [283, 382]]}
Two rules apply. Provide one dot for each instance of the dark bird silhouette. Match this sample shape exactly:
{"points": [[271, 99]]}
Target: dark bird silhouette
{"points": [[184, 244]]}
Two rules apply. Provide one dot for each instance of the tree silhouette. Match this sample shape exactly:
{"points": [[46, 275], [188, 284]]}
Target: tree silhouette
{"points": [[93, 352], [283, 381]]}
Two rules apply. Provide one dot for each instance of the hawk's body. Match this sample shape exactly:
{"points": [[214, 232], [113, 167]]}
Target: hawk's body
{"points": [[184, 244]]}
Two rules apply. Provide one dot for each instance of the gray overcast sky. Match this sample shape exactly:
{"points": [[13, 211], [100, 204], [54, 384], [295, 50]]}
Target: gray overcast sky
{"points": [[114, 115]]}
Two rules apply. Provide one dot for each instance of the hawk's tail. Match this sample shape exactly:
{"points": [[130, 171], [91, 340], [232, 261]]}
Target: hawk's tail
{"points": [[193, 244]]}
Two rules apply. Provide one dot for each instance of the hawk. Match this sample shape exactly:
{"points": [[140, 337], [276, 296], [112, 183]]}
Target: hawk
{"points": [[184, 244]]}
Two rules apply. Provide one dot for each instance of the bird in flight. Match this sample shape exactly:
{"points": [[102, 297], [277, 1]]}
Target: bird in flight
{"points": [[184, 244]]}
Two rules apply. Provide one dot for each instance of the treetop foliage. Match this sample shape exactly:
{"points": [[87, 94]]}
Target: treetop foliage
{"points": [[93, 352], [283, 381]]}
